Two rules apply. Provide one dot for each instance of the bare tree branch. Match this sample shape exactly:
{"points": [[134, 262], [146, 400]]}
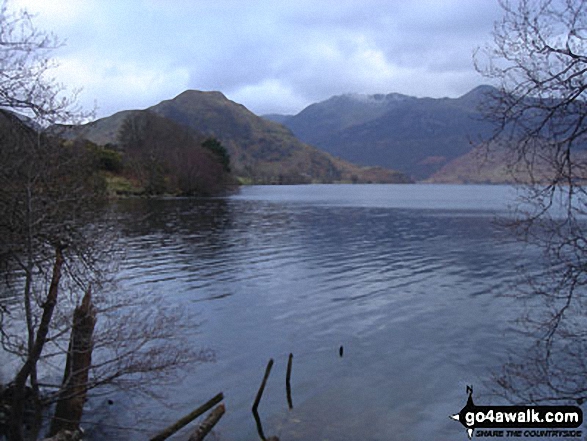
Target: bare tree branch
{"points": [[539, 61]]}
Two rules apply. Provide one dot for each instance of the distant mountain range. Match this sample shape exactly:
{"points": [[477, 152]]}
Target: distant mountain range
{"points": [[261, 151], [417, 136], [383, 138], [347, 138]]}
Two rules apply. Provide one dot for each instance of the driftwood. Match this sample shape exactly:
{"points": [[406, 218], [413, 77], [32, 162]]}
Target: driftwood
{"points": [[188, 418], [72, 395], [206, 426]]}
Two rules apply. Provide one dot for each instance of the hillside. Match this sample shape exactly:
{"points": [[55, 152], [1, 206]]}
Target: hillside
{"points": [[101, 131], [417, 136], [147, 153], [262, 151], [480, 166], [497, 164]]}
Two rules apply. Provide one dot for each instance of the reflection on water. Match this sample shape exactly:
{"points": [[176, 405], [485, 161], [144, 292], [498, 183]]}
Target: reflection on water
{"points": [[408, 278]]}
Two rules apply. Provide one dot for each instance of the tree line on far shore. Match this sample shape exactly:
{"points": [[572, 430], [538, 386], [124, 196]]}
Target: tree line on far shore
{"points": [[155, 156]]}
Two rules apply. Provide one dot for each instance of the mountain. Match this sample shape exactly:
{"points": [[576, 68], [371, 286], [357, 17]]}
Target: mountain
{"points": [[317, 122], [262, 151], [102, 131], [417, 136]]}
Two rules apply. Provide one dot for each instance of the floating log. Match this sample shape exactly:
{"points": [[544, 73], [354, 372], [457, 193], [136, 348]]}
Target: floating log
{"points": [[188, 418], [207, 425]]}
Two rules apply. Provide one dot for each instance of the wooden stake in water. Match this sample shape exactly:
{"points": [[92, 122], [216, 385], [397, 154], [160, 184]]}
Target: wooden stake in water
{"points": [[288, 381], [258, 400]]}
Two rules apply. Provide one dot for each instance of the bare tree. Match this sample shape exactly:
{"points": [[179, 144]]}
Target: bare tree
{"points": [[168, 158], [25, 60], [539, 61], [53, 245]]}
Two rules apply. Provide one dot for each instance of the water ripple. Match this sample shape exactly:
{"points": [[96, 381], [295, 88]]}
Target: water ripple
{"points": [[410, 284]]}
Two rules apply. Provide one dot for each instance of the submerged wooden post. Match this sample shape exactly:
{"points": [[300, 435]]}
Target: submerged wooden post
{"points": [[288, 381], [258, 399]]}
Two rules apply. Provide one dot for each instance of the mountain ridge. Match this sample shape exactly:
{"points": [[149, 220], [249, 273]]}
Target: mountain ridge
{"points": [[261, 151], [417, 136]]}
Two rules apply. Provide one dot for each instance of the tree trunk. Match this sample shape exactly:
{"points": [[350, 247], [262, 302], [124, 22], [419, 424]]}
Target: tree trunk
{"points": [[72, 396], [19, 384]]}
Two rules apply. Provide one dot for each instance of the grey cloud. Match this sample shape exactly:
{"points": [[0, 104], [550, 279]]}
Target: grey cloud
{"points": [[294, 51]]}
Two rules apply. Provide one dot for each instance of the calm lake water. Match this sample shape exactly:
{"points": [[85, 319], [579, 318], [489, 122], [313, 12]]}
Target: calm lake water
{"points": [[409, 279]]}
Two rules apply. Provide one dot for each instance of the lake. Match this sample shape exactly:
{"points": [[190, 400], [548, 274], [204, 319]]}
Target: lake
{"points": [[409, 279]]}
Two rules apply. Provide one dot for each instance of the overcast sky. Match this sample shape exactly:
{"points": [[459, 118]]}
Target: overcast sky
{"points": [[273, 56]]}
